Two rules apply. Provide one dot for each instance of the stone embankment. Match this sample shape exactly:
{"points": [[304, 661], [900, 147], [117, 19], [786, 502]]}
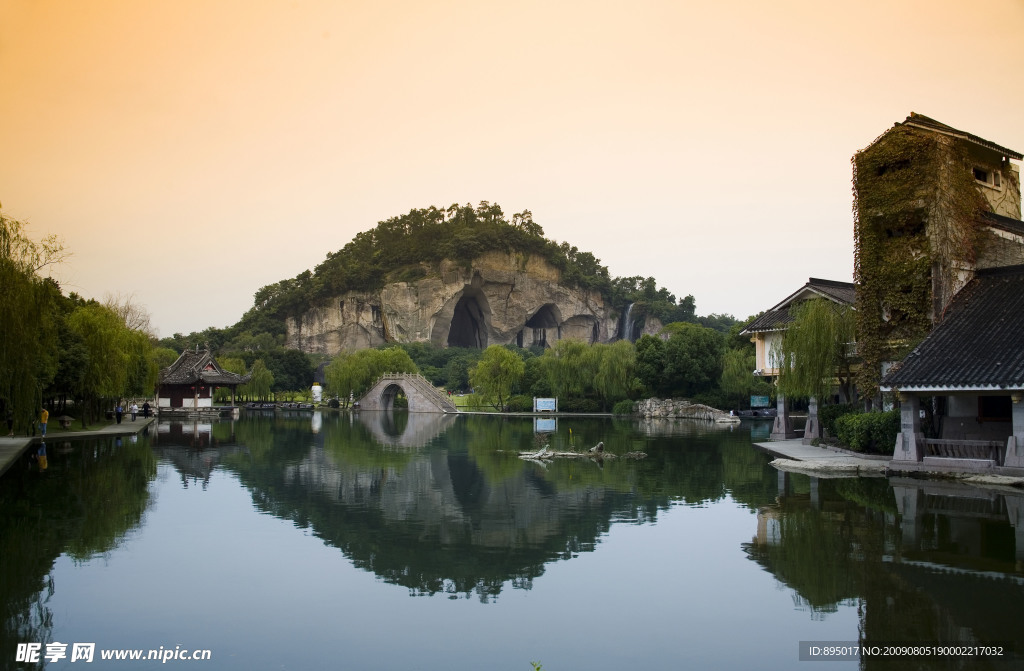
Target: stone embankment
{"points": [[680, 408]]}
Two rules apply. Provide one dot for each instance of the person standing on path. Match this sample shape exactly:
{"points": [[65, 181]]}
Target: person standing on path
{"points": [[134, 409], [44, 417], [118, 412]]}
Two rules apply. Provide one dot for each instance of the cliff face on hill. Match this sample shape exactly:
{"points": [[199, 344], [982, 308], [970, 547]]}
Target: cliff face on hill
{"points": [[500, 299]]}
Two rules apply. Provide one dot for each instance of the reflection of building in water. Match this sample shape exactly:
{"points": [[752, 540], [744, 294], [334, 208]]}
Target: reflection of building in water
{"points": [[922, 561], [947, 523], [195, 448]]}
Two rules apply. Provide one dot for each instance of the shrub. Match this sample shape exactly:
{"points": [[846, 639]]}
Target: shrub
{"points": [[579, 405], [869, 432], [624, 407], [715, 399], [519, 404], [828, 414]]}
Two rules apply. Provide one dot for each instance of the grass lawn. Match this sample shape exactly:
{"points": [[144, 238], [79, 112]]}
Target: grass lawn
{"points": [[471, 402]]}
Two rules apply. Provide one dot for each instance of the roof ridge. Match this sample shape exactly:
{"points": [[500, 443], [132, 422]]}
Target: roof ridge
{"points": [[831, 283]]}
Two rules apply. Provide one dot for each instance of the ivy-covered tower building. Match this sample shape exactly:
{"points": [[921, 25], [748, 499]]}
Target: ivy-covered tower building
{"points": [[932, 205]]}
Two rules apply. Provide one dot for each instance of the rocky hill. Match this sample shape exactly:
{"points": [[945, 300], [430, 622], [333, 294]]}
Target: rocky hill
{"points": [[499, 298]]}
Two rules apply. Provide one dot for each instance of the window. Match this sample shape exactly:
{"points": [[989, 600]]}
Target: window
{"points": [[987, 177]]}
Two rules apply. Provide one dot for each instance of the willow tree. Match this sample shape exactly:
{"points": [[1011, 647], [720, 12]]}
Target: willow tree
{"points": [[112, 356], [496, 374], [28, 318], [570, 368], [353, 374], [260, 382], [813, 354], [616, 371]]}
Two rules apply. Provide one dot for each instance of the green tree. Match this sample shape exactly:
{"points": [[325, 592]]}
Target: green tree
{"points": [[496, 374], [570, 367], [814, 351], [260, 383], [737, 381], [232, 365], [353, 374], [110, 349], [29, 316], [163, 357], [616, 371], [688, 363], [650, 364], [693, 359]]}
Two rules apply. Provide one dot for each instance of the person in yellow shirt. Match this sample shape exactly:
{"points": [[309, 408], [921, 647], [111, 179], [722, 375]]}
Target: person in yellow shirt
{"points": [[44, 417]]}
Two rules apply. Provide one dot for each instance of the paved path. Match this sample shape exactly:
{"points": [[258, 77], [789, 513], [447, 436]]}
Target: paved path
{"points": [[796, 456], [12, 448]]}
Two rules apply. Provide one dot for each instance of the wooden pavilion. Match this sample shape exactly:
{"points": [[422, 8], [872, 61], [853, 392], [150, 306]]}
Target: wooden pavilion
{"points": [[188, 383]]}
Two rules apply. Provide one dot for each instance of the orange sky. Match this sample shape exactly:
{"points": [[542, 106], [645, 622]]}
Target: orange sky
{"points": [[192, 151]]}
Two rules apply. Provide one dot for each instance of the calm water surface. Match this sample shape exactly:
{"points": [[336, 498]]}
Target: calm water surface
{"points": [[422, 542]]}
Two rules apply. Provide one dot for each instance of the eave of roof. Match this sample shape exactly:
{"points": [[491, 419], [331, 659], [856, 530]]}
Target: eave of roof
{"points": [[190, 367], [777, 317], [1002, 222], [927, 123]]}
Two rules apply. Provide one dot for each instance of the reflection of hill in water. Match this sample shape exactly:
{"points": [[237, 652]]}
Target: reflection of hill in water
{"points": [[429, 519], [928, 561], [440, 503]]}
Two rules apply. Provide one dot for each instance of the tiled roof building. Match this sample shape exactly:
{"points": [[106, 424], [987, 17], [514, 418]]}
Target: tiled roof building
{"points": [[973, 362], [768, 328], [979, 346], [189, 382]]}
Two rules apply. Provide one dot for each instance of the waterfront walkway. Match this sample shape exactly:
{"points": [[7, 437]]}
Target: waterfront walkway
{"points": [[823, 460], [13, 448], [830, 462]]}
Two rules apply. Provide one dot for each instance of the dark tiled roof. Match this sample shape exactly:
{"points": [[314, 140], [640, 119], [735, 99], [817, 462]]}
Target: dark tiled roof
{"points": [[979, 344], [199, 366], [921, 121], [778, 317], [1006, 223]]}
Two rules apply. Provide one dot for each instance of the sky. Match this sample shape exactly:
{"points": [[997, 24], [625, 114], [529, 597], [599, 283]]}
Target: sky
{"points": [[190, 152]]}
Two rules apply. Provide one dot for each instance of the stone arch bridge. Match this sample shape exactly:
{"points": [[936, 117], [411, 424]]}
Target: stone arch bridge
{"points": [[422, 395]]}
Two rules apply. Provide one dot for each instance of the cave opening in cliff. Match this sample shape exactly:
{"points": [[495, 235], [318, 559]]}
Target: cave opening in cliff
{"points": [[469, 321], [544, 324]]}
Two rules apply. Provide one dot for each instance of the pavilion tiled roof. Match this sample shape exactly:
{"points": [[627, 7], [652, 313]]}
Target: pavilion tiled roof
{"points": [[199, 366], [778, 317], [979, 345]]}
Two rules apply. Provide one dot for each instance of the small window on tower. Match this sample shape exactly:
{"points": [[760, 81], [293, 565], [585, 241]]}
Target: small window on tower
{"points": [[981, 175]]}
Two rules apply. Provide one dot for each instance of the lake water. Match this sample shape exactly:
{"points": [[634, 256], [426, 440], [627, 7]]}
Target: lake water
{"points": [[299, 541]]}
